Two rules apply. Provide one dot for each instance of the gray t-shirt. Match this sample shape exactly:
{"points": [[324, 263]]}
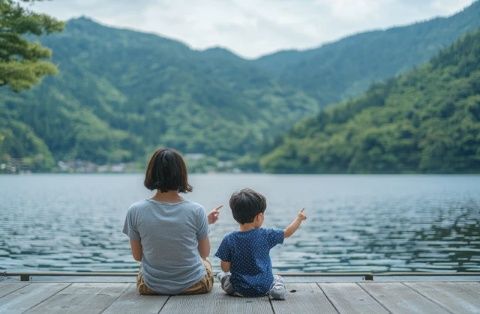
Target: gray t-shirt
{"points": [[169, 234]]}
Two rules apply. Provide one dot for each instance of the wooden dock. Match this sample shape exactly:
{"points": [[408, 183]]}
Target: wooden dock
{"points": [[313, 295]]}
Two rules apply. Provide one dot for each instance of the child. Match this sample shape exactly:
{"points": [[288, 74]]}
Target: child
{"points": [[169, 234], [246, 264]]}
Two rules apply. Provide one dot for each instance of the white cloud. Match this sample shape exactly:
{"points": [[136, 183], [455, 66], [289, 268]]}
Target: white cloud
{"points": [[252, 28]]}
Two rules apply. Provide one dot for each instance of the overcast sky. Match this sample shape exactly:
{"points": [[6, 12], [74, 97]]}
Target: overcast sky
{"points": [[251, 28]]}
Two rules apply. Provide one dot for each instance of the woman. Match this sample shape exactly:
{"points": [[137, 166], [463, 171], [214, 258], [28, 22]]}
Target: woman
{"points": [[169, 234]]}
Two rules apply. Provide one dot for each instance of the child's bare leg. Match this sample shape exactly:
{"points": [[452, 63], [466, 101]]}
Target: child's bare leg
{"points": [[278, 290]]}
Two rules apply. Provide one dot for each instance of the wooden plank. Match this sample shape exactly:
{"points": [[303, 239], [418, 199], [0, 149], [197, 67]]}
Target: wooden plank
{"points": [[22, 299], [350, 298], [216, 302], [85, 278], [130, 301], [458, 297], [82, 298], [8, 287], [426, 278], [315, 279], [399, 298], [303, 298]]}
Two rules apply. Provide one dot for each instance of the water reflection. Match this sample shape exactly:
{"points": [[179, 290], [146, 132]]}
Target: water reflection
{"points": [[355, 223]]}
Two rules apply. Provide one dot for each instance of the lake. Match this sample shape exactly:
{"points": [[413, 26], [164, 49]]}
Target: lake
{"points": [[62, 222]]}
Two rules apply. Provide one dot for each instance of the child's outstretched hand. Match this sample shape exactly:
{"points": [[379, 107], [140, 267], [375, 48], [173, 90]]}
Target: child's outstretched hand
{"points": [[295, 223], [301, 215], [213, 215]]}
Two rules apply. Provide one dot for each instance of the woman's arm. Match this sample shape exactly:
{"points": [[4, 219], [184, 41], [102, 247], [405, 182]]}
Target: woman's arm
{"points": [[225, 266], [204, 247], [137, 250], [213, 215]]}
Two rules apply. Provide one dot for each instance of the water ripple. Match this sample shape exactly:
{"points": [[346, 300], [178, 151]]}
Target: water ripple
{"points": [[355, 223]]}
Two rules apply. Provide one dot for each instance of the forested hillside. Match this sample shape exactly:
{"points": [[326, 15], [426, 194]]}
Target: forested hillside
{"points": [[427, 120], [347, 67], [120, 93]]}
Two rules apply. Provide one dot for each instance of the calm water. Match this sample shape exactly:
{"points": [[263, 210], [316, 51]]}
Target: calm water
{"points": [[355, 223]]}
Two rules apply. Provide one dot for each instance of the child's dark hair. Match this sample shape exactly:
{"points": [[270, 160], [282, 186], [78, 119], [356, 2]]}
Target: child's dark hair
{"points": [[167, 171], [246, 204]]}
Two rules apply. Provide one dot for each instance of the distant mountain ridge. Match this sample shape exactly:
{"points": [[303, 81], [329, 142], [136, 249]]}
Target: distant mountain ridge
{"points": [[120, 93], [427, 120], [347, 67]]}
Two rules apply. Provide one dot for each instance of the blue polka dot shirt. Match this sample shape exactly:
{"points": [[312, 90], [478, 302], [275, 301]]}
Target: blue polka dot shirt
{"points": [[248, 253]]}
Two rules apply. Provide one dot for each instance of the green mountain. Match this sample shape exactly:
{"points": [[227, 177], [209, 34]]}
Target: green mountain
{"points": [[347, 67], [427, 120], [120, 93]]}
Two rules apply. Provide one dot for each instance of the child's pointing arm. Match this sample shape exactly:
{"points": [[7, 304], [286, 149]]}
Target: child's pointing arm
{"points": [[293, 226]]}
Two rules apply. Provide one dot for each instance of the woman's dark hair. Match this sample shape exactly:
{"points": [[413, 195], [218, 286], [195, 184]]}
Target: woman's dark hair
{"points": [[167, 171], [246, 204]]}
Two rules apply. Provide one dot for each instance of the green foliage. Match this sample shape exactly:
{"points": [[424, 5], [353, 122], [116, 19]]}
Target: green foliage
{"points": [[120, 94], [425, 121], [21, 60], [20, 147], [347, 67]]}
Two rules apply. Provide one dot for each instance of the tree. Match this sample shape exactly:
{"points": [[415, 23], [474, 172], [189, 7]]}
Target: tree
{"points": [[22, 61]]}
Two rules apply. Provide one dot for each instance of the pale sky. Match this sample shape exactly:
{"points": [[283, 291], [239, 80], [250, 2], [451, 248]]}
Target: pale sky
{"points": [[252, 28]]}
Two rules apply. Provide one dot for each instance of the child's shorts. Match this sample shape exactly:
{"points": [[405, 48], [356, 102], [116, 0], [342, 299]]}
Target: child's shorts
{"points": [[277, 290]]}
